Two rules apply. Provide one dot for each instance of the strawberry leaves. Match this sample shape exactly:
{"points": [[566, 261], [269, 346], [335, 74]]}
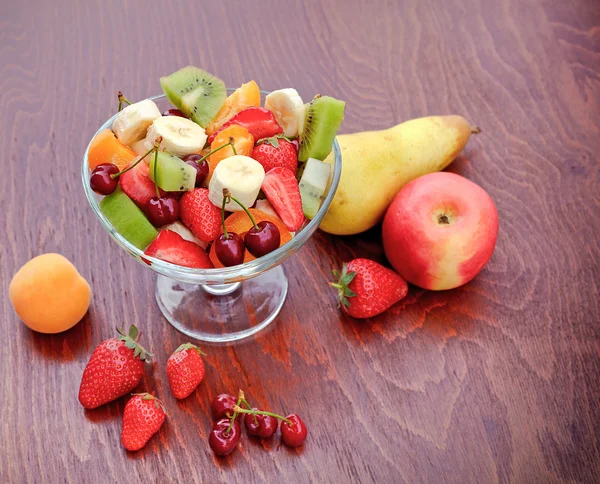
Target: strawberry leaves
{"points": [[273, 141], [189, 346], [342, 285], [131, 341]]}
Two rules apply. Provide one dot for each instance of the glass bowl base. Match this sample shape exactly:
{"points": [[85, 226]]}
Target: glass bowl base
{"points": [[225, 313]]}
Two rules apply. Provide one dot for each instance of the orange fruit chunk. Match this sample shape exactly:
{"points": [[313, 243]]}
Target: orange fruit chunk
{"points": [[106, 148], [242, 140], [240, 223], [48, 294], [243, 97]]}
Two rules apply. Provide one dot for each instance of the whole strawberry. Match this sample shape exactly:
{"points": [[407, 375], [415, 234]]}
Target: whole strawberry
{"points": [[115, 368], [185, 370], [143, 416], [199, 214], [366, 288], [276, 152]]}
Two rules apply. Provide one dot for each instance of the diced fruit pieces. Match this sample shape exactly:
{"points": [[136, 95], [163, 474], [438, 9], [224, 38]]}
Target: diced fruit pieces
{"points": [[239, 223], [172, 173], [137, 185], [324, 116], [171, 247], [132, 122], [243, 97], [127, 219], [289, 110], [198, 94], [281, 188], [242, 140], [106, 148], [180, 136], [276, 152], [312, 186], [259, 122], [200, 215], [185, 233], [242, 176]]}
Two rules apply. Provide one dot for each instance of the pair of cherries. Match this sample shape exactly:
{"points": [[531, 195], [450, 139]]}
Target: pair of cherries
{"points": [[226, 431], [262, 238]]}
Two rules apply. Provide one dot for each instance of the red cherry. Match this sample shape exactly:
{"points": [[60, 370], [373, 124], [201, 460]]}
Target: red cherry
{"points": [[262, 240], [174, 112], [202, 168], [162, 210], [101, 180], [220, 440], [264, 426], [222, 406], [295, 434], [230, 250]]}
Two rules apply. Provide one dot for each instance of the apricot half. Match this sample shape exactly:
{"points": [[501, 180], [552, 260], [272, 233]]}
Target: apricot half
{"points": [[49, 295]]}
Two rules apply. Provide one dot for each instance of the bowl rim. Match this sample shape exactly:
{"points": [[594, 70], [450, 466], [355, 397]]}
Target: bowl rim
{"points": [[215, 275]]}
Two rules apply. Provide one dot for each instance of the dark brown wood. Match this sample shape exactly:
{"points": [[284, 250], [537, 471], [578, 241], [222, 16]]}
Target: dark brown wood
{"points": [[498, 381]]}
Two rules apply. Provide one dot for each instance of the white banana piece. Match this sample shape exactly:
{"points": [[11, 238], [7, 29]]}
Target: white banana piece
{"points": [[289, 110], [142, 147], [242, 176], [133, 121], [180, 136]]}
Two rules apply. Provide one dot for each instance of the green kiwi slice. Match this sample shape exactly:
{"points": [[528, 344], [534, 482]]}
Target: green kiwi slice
{"points": [[323, 118], [172, 173], [128, 219], [198, 94]]}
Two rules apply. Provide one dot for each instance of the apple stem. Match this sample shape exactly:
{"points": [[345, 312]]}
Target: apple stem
{"points": [[475, 130]]}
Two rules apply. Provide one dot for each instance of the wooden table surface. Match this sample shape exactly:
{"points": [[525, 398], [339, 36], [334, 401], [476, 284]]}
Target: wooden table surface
{"points": [[498, 381]]}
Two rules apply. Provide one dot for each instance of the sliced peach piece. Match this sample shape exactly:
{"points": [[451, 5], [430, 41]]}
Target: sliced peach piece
{"points": [[106, 148], [242, 140], [243, 97]]}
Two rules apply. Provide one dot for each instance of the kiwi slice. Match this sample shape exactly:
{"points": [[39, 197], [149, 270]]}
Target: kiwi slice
{"points": [[127, 219], [323, 118], [312, 186], [195, 92], [172, 173]]}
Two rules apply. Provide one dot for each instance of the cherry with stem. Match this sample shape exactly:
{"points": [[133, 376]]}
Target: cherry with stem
{"points": [[161, 210], [226, 433], [229, 246], [293, 429]]}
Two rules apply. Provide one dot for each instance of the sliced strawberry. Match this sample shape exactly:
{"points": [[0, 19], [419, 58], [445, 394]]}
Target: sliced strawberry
{"points": [[199, 214], [281, 188], [137, 185], [172, 247]]}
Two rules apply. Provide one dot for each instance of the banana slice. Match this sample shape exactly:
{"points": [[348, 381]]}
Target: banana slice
{"points": [[142, 147], [131, 123], [180, 136], [242, 175], [288, 108]]}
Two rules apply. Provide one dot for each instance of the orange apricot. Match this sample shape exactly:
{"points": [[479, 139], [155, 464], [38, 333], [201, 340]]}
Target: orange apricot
{"points": [[242, 140], [106, 148], [243, 97], [240, 223], [49, 295]]}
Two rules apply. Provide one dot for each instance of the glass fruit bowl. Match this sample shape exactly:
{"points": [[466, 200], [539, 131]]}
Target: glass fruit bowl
{"points": [[226, 304]]}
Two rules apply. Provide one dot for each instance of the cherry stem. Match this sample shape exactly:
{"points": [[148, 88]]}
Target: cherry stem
{"points": [[245, 210], [232, 146], [122, 99], [155, 179], [133, 165], [235, 414], [237, 409], [245, 402], [225, 196], [218, 149]]}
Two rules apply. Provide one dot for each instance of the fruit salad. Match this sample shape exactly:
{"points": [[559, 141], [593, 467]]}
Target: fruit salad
{"points": [[216, 180]]}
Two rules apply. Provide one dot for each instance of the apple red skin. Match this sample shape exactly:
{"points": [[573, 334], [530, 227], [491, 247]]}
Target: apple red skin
{"points": [[435, 255]]}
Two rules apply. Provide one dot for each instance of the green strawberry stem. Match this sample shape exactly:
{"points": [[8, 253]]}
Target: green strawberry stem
{"points": [[122, 100], [149, 396], [189, 346], [237, 409], [343, 285], [131, 341], [156, 146]]}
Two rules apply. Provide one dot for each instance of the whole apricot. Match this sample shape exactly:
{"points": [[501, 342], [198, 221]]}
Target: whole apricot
{"points": [[49, 295]]}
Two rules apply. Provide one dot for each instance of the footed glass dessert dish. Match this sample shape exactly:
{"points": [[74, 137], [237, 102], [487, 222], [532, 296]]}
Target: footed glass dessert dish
{"points": [[224, 304]]}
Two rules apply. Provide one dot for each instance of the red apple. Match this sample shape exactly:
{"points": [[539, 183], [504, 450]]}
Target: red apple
{"points": [[440, 230]]}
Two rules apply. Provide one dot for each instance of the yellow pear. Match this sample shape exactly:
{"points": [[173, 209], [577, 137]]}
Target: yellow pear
{"points": [[377, 164]]}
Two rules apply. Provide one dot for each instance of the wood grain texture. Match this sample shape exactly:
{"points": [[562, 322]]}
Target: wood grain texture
{"points": [[498, 381]]}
